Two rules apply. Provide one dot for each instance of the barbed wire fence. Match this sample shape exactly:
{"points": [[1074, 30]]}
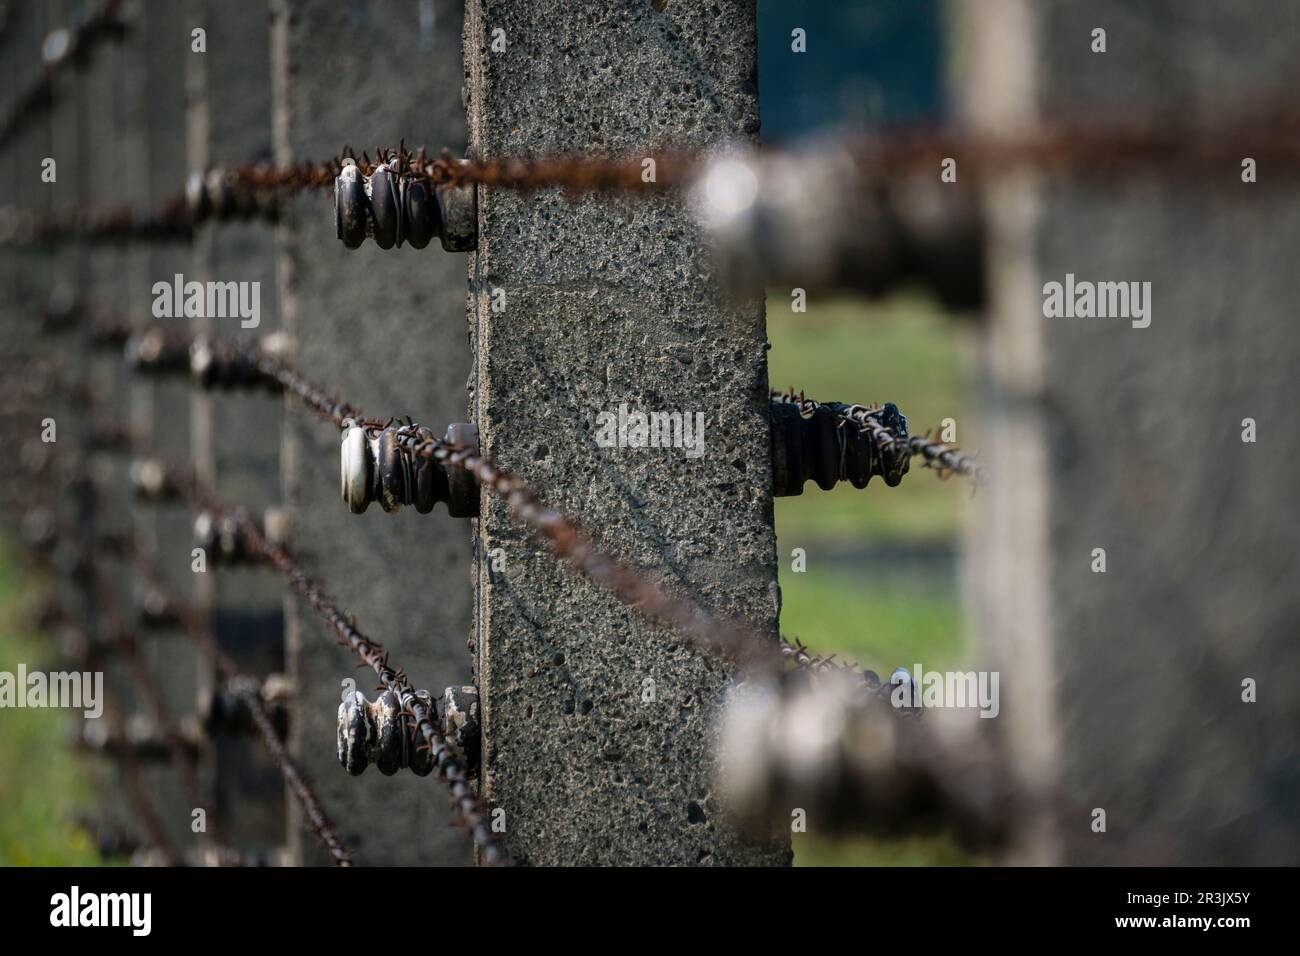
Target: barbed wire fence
{"points": [[406, 197]]}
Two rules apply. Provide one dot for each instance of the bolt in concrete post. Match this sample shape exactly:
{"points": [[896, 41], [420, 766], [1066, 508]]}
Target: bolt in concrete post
{"points": [[1127, 686], [386, 329], [598, 729]]}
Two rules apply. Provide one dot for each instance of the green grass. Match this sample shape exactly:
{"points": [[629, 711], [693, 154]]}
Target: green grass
{"points": [[848, 350], [904, 351], [43, 788], [880, 625]]}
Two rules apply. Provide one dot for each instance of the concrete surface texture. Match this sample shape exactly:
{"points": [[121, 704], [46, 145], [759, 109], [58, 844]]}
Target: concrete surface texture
{"points": [[602, 301]]}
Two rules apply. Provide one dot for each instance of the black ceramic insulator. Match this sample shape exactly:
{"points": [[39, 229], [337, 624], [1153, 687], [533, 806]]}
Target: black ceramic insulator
{"points": [[826, 448]]}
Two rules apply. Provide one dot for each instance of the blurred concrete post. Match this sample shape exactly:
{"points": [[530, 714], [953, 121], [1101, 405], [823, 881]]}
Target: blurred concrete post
{"points": [[227, 89], [598, 728], [25, 273], [386, 330], [103, 144], [153, 92], [1126, 687]]}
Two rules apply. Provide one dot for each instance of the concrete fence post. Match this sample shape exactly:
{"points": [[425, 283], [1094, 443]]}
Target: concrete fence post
{"points": [[597, 727], [103, 153], [385, 330], [152, 92], [1135, 562], [236, 434]]}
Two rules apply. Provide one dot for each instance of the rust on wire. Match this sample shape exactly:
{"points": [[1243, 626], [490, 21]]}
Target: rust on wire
{"points": [[1158, 147], [182, 755], [468, 806], [575, 173], [466, 801], [947, 459], [246, 689], [735, 640], [185, 485]]}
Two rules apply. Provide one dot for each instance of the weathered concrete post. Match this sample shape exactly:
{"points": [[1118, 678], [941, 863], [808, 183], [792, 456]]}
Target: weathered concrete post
{"points": [[384, 328], [1131, 686], [597, 728]]}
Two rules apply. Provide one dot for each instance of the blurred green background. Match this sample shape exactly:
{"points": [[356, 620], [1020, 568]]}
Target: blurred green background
{"points": [[880, 587], [44, 788]]}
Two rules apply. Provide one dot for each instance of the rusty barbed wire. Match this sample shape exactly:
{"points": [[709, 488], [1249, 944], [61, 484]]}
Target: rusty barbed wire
{"points": [[1161, 146], [1164, 145], [795, 651], [302, 790], [946, 459], [129, 767], [170, 220], [575, 173], [239, 685], [466, 802], [735, 640], [183, 757], [318, 822], [258, 189], [190, 488], [227, 362]]}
